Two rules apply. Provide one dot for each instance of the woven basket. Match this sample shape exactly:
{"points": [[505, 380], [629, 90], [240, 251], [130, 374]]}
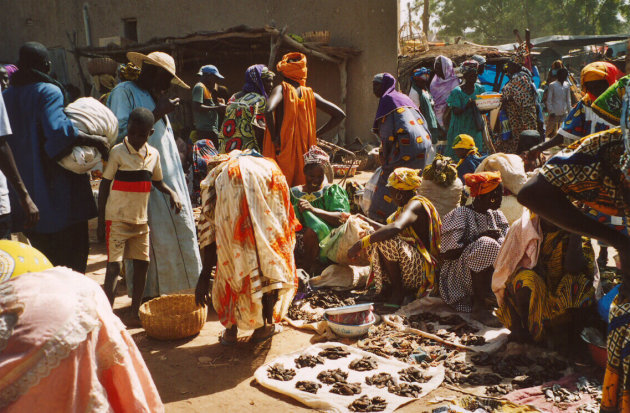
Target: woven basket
{"points": [[102, 66], [320, 36], [172, 317]]}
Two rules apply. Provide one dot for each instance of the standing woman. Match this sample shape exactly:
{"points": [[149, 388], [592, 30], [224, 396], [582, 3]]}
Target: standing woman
{"points": [[462, 103], [419, 94], [404, 139], [244, 123], [442, 85], [519, 100]]}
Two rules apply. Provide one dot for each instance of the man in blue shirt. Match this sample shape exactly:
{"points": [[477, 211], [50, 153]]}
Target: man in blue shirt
{"points": [[42, 134]]}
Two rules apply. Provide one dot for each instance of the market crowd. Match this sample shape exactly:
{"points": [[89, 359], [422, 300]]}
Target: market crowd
{"points": [[268, 206]]}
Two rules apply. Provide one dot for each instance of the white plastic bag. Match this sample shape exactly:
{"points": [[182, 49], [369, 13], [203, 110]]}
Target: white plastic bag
{"points": [[370, 190], [510, 166], [336, 245], [443, 199], [342, 277], [92, 117]]}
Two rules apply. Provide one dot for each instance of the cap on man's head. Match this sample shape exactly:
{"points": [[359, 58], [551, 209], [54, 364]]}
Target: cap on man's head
{"points": [[210, 70], [33, 55]]}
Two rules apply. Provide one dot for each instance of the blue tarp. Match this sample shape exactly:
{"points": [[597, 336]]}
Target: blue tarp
{"points": [[490, 77]]}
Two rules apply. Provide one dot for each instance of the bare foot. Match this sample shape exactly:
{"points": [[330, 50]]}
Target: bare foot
{"points": [[264, 333], [228, 337]]}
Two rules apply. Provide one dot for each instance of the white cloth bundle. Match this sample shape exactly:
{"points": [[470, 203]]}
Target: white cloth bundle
{"points": [[92, 117]]}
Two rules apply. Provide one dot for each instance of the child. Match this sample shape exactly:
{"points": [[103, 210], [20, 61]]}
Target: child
{"points": [[133, 165]]}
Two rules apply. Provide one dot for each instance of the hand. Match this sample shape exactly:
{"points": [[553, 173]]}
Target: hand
{"points": [[100, 230], [532, 154], [175, 202], [344, 217], [355, 250], [304, 205], [492, 233], [165, 105], [203, 296], [31, 211], [221, 101]]}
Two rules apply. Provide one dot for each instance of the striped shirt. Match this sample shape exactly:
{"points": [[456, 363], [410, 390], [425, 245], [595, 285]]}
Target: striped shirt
{"points": [[131, 173]]}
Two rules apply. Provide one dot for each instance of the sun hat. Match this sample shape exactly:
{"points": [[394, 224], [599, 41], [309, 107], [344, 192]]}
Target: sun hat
{"points": [[161, 59], [210, 70]]}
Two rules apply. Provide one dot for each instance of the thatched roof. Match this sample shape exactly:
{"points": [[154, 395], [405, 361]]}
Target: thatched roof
{"points": [[458, 53]]}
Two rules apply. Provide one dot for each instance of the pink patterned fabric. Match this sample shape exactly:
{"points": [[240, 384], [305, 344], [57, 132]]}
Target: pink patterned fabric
{"points": [[63, 350]]}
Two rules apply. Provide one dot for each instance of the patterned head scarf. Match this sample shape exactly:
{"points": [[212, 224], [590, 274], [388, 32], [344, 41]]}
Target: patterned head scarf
{"points": [[404, 179], [295, 71], [422, 72], [128, 72], [469, 66], [316, 155], [254, 79], [463, 141], [17, 258], [482, 182], [479, 59], [520, 55], [599, 71]]}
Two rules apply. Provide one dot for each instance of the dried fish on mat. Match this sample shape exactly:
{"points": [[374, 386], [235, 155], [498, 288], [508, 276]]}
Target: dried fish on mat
{"points": [[380, 380], [387, 341], [405, 390], [334, 353], [472, 340], [297, 313], [499, 390], [308, 386], [364, 364], [365, 404], [332, 376], [558, 394], [412, 375], [278, 372], [484, 379], [308, 361], [346, 389]]}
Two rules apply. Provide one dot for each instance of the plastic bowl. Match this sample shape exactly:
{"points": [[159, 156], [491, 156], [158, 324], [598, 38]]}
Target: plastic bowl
{"points": [[488, 102], [344, 330], [598, 351]]}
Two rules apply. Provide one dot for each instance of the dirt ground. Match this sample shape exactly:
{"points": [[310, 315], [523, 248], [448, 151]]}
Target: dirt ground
{"points": [[200, 375]]}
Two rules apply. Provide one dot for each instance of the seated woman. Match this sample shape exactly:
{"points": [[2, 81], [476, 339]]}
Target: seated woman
{"points": [[403, 253], [542, 273], [62, 349], [468, 154], [471, 238], [319, 207], [247, 230]]}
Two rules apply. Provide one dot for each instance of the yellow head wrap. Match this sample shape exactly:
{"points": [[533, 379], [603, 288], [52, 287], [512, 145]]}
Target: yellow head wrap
{"points": [[463, 141], [404, 179], [17, 258]]}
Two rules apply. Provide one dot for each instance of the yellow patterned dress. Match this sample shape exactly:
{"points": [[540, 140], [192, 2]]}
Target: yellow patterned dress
{"points": [[553, 289], [417, 262]]}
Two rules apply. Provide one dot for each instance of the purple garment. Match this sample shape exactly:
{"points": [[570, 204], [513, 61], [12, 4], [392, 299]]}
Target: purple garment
{"points": [[442, 88], [253, 80], [11, 69], [391, 99]]}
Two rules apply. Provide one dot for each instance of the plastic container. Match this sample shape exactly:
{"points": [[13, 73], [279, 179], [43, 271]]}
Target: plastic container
{"points": [[596, 346], [488, 101], [351, 315], [349, 331]]}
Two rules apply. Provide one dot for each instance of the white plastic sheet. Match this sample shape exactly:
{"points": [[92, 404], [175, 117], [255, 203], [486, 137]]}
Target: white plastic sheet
{"points": [[335, 403]]}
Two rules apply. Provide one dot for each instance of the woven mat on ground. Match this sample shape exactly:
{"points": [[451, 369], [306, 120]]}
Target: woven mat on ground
{"points": [[534, 396], [330, 402], [495, 337]]}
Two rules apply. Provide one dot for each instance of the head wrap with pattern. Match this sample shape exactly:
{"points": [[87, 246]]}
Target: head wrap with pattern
{"points": [[404, 179]]}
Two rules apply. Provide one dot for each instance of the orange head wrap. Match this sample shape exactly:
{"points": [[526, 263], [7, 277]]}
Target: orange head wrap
{"points": [[482, 182], [293, 70], [599, 71]]}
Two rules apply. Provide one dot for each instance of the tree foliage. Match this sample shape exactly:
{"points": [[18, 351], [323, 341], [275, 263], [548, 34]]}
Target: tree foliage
{"points": [[492, 21]]}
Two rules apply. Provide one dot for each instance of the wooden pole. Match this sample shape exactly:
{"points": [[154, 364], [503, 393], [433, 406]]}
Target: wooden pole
{"points": [[343, 80], [425, 19], [628, 57], [276, 41]]}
